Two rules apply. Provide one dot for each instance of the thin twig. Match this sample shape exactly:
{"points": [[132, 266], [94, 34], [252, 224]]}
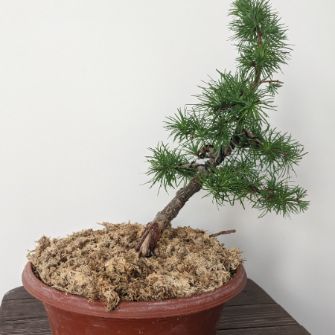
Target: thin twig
{"points": [[271, 82], [223, 232]]}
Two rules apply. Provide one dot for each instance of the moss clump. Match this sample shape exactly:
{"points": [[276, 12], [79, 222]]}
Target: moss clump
{"points": [[103, 264]]}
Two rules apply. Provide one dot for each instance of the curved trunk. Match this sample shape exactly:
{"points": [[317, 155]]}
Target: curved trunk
{"points": [[155, 228]]}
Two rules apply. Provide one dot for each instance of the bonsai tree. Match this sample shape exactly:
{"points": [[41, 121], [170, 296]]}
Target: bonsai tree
{"points": [[224, 144]]}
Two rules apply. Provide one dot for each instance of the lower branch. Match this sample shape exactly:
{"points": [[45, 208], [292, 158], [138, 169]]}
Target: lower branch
{"points": [[223, 232]]}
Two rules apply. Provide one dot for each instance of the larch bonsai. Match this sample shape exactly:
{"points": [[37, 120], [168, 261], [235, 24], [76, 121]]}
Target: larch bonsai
{"points": [[223, 144]]}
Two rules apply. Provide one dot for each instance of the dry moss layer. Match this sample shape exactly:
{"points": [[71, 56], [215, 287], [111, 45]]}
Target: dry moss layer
{"points": [[103, 264]]}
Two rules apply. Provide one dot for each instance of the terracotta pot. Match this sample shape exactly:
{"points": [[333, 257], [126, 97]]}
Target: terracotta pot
{"points": [[73, 315]]}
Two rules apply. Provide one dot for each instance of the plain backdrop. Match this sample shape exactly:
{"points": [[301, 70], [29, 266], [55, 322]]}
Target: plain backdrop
{"points": [[84, 89]]}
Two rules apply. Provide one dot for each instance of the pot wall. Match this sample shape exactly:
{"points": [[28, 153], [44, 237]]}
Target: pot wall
{"points": [[66, 323], [73, 315]]}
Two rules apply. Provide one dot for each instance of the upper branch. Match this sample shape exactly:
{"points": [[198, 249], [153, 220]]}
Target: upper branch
{"points": [[258, 67]]}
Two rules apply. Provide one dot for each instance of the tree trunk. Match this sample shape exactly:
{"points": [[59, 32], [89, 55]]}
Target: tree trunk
{"points": [[155, 228]]}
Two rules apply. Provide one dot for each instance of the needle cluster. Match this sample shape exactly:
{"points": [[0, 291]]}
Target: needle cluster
{"points": [[225, 139]]}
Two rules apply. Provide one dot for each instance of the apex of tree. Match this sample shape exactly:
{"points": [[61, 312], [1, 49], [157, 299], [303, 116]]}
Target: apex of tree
{"points": [[224, 142]]}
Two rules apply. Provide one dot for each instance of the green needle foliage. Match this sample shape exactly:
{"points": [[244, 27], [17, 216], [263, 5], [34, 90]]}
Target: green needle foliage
{"points": [[225, 139]]}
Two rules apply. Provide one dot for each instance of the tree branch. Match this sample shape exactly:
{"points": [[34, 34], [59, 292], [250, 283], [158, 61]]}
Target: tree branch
{"points": [[258, 69], [271, 82], [223, 232]]}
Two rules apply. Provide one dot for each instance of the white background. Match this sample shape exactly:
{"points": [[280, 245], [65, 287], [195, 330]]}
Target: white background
{"points": [[84, 88]]}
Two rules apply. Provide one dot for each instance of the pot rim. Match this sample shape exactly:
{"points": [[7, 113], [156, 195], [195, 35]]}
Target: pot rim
{"points": [[129, 309]]}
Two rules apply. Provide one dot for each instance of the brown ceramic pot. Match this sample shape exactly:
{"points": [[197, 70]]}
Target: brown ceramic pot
{"points": [[73, 315]]}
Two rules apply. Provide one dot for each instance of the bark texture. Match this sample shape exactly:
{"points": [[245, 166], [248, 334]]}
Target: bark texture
{"points": [[155, 228]]}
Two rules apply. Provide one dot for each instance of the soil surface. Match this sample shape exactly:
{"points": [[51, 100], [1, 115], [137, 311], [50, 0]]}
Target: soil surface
{"points": [[103, 264]]}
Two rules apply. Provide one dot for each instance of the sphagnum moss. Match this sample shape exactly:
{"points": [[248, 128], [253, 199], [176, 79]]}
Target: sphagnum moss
{"points": [[103, 264]]}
